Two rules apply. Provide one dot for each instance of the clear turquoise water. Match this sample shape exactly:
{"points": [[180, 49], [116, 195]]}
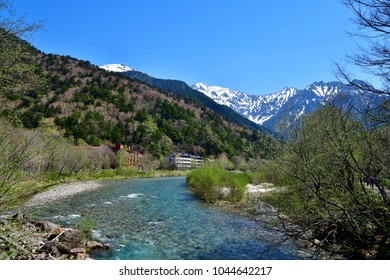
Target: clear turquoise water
{"points": [[150, 219]]}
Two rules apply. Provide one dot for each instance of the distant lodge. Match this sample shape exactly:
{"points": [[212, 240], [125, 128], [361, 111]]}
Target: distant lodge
{"points": [[184, 161]]}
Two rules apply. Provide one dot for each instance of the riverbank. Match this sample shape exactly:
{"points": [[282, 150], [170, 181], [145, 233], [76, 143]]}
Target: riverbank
{"points": [[64, 190]]}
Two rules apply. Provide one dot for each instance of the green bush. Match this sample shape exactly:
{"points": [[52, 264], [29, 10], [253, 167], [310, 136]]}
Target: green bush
{"points": [[236, 183], [205, 183], [213, 183]]}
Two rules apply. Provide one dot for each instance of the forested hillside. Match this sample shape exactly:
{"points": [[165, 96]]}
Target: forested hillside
{"points": [[183, 90], [90, 105]]}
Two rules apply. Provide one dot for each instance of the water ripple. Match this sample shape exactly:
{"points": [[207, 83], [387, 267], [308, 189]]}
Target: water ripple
{"points": [[164, 221]]}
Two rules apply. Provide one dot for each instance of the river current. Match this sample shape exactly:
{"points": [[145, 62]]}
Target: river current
{"points": [[151, 219]]}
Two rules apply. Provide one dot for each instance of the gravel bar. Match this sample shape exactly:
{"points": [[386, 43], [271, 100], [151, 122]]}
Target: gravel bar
{"points": [[62, 191]]}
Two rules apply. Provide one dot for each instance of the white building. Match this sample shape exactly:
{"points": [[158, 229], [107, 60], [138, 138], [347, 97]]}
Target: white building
{"points": [[184, 161]]}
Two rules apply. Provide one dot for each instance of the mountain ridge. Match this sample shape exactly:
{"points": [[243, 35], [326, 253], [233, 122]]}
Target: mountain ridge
{"points": [[270, 109]]}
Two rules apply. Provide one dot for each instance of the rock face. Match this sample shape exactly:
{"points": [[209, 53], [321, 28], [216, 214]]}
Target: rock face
{"points": [[21, 239]]}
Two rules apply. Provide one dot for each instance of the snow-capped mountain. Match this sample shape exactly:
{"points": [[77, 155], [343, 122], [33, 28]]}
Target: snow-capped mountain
{"points": [[268, 110], [115, 67], [258, 109]]}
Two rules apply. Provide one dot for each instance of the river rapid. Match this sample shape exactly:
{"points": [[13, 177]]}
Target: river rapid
{"points": [[152, 219]]}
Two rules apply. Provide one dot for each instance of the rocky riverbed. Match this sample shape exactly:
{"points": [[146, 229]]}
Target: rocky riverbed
{"points": [[22, 237]]}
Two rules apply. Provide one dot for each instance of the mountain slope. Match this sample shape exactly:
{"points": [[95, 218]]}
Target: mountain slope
{"points": [[183, 90]]}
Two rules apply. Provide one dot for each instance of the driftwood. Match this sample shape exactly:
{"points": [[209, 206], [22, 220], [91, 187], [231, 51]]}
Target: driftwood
{"points": [[61, 233]]}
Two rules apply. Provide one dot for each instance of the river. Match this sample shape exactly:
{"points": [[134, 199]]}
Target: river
{"points": [[151, 219]]}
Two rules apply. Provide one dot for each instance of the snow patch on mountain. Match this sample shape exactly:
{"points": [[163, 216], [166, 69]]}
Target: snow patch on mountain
{"points": [[116, 67]]}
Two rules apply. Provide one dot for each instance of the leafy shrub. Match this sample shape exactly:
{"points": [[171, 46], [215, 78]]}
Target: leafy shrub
{"points": [[205, 183], [236, 183], [212, 183]]}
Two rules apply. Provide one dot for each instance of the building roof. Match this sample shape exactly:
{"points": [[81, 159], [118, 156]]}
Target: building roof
{"points": [[184, 155]]}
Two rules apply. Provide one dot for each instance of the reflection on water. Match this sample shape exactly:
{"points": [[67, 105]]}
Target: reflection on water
{"points": [[160, 219]]}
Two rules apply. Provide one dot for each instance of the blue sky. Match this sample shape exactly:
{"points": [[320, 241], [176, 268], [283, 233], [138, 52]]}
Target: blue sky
{"points": [[255, 46]]}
